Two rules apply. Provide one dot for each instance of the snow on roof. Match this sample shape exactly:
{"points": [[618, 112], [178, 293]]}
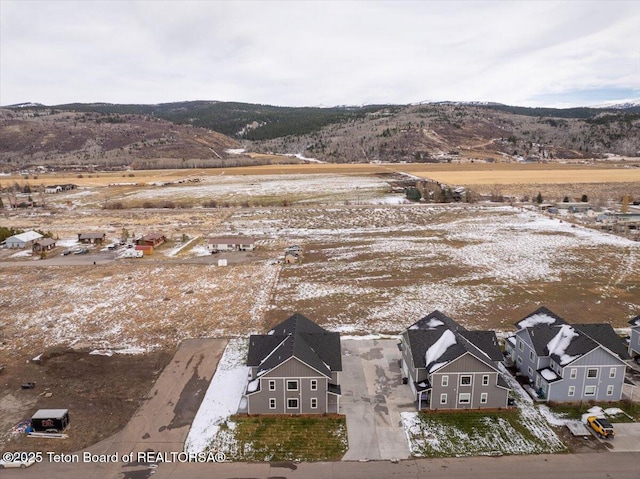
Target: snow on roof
{"points": [[253, 385], [535, 319], [27, 236], [560, 342], [49, 413], [548, 374], [437, 349], [432, 324], [437, 366]]}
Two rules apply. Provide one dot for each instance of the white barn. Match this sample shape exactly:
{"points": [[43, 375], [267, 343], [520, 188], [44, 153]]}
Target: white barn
{"points": [[22, 240]]}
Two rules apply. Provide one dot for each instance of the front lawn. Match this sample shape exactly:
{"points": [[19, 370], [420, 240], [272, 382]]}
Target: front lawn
{"points": [[282, 438], [473, 433], [577, 410]]}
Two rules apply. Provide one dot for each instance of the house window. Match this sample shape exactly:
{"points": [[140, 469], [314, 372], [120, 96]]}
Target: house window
{"points": [[292, 385], [465, 380], [464, 398], [483, 398], [610, 390], [292, 403], [519, 360], [485, 380], [443, 398], [520, 345], [445, 381], [314, 403], [574, 373], [530, 355], [530, 372], [592, 373], [314, 384], [590, 391], [612, 373], [272, 385], [572, 390], [272, 403]]}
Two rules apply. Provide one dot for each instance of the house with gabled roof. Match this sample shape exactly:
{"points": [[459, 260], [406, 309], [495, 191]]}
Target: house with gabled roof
{"points": [[294, 369], [569, 362], [449, 367], [634, 341], [22, 240]]}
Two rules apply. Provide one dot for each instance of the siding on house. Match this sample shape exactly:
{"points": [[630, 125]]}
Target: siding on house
{"points": [[634, 340], [473, 355]]}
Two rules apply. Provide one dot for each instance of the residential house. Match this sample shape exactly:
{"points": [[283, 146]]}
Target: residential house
{"points": [[449, 367], [634, 341], [22, 240], [44, 244], [565, 362], [295, 369], [53, 189], [231, 243], [91, 238], [151, 239]]}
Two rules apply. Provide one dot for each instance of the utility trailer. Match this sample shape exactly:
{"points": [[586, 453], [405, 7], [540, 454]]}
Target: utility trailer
{"points": [[50, 420]]}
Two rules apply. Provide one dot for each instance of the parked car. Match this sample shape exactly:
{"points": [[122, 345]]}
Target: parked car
{"points": [[66, 252], [601, 426], [21, 464], [80, 251]]}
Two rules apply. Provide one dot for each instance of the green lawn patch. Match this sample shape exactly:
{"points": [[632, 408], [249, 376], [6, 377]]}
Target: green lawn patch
{"points": [[282, 438], [474, 433], [576, 410]]}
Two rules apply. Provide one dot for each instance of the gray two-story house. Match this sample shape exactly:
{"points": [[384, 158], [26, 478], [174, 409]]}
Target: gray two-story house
{"points": [[566, 362], [449, 367], [634, 341], [295, 369]]}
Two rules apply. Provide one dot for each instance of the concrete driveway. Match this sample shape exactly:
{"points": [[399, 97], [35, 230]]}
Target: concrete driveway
{"points": [[372, 398], [627, 437]]}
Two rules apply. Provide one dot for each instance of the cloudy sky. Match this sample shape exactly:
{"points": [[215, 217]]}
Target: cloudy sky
{"points": [[302, 53]]}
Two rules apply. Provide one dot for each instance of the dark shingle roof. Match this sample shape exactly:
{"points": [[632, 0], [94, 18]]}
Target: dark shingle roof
{"points": [[431, 320], [635, 321], [296, 337], [485, 341], [540, 337], [605, 335], [537, 315]]}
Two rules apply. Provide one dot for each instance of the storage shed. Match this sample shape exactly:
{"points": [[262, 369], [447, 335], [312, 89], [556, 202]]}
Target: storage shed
{"points": [[50, 420]]}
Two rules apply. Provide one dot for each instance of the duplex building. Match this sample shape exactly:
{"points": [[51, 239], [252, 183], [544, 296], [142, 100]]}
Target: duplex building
{"points": [[449, 367], [568, 362], [295, 369]]}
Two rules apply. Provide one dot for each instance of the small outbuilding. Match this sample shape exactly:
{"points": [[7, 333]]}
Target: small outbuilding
{"points": [[50, 420], [91, 238], [44, 244]]}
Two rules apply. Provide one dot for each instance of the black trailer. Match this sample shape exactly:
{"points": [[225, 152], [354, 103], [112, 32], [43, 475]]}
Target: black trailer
{"points": [[50, 420]]}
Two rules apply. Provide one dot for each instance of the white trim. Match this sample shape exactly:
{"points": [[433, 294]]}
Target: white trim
{"points": [[444, 398], [297, 384], [610, 389], [445, 381], [590, 386], [272, 382], [297, 406], [484, 398], [572, 391], [460, 395], [311, 400], [275, 403], [313, 385]]}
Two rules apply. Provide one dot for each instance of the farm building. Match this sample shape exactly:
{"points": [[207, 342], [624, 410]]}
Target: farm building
{"points": [[44, 244], [230, 243], [22, 240], [91, 238], [151, 239], [147, 250], [53, 189]]}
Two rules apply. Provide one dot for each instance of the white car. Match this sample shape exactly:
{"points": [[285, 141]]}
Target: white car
{"points": [[20, 464]]}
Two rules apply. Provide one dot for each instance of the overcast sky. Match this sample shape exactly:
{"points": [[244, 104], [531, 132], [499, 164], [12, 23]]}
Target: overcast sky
{"points": [[304, 53]]}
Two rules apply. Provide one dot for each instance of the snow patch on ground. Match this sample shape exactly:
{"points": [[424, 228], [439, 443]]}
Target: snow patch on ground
{"points": [[222, 398]]}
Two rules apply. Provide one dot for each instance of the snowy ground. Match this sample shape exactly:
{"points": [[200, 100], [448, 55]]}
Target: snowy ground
{"points": [[528, 432], [221, 400]]}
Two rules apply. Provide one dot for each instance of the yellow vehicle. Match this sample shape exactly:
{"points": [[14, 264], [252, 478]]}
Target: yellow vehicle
{"points": [[601, 426]]}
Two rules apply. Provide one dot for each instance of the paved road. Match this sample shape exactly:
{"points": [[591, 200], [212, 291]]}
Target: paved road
{"points": [[372, 398], [615, 465]]}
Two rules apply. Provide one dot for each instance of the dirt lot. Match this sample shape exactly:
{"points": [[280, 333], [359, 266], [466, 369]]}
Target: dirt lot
{"points": [[101, 392]]}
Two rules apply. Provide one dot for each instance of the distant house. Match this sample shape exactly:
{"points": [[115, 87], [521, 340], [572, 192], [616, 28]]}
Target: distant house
{"points": [[151, 239], [634, 341], [566, 362], [295, 369], [22, 240], [91, 238], [448, 367], [230, 243], [53, 189], [44, 244]]}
